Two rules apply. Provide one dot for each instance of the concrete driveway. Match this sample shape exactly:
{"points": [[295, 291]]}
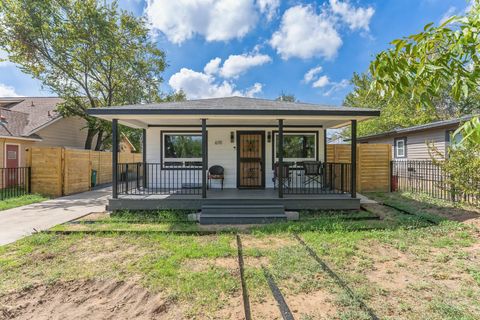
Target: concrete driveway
{"points": [[19, 222]]}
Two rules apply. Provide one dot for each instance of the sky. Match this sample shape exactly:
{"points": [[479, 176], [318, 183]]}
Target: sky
{"points": [[261, 48]]}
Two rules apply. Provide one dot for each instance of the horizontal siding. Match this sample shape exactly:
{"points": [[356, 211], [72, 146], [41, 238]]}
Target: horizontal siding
{"points": [[66, 132], [417, 143], [223, 153]]}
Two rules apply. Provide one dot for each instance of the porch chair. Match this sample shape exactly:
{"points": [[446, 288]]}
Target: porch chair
{"points": [[215, 173], [287, 178], [312, 171]]}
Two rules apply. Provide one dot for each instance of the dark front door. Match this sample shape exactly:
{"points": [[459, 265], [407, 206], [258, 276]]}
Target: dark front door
{"points": [[250, 159]]}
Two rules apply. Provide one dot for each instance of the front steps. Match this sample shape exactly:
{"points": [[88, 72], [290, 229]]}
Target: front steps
{"points": [[241, 214]]}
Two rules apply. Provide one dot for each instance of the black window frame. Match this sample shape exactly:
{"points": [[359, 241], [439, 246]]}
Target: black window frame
{"points": [[317, 143], [395, 150], [164, 160]]}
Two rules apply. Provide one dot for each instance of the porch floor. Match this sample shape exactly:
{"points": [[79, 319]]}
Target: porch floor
{"points": [[233, 197]]}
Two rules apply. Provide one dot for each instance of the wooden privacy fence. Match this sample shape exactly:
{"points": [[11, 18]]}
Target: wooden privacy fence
{"points": [[373, 164], [61, 171]]}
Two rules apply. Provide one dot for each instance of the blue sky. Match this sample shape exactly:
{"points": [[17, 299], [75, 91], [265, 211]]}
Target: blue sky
{"points": [[263, 47]]}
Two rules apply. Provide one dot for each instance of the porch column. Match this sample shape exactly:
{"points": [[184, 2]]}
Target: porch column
{"points": [[204, 158], [280, 158], [114, 158], [144, 157], [353, 175], [324, 145]]}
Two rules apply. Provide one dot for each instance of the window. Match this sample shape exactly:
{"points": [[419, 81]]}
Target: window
{"points": [[401, 148], [182, 149], [455, 139], [297, 146]]}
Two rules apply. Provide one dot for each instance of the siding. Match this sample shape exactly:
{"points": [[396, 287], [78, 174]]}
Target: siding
{"points": [[417, 142], [66, 132], [224, 153], [25, 148]]}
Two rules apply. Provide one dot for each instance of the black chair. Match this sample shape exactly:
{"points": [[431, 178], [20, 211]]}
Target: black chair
{"points": [[287, 178], [312, 171], [215, 173]]}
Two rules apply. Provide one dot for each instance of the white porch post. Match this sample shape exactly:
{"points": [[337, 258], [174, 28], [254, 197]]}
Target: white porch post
{"points": [[353, 178], [280, 158], [114, 158], [204, 158]]}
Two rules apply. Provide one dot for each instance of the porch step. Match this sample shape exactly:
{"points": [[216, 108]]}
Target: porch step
{"points": [[241, 214]]}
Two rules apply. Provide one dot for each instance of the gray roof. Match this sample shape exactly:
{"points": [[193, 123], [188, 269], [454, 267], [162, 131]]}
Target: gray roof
{"points": [[23, 116], [234, 106], [422, 127]]}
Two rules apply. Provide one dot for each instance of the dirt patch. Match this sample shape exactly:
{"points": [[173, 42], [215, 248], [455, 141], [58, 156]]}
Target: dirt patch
{"points": [[87, 299], [265, 243], [312, 305], [382, 211]]}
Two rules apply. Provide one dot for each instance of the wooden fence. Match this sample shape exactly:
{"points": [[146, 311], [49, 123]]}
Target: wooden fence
{"points": [[373, 164], [61, 171]]}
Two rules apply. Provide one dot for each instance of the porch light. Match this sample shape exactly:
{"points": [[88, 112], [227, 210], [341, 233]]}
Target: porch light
{"points": [[269, 136], [232, 136]]}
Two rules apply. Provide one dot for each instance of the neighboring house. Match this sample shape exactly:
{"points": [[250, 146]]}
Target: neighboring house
{"points": [[233, 143], [33, 121], [412, 143]]}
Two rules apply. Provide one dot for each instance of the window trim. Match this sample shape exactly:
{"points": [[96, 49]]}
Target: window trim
{"points": [[163, 159], [316, 144], [404, 139]]}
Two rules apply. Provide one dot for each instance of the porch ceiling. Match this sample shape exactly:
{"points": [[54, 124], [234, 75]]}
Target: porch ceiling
{"points": [[145, 121]]}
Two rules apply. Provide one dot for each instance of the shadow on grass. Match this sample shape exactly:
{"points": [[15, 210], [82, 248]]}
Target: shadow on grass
{"points": [[423, 205]]}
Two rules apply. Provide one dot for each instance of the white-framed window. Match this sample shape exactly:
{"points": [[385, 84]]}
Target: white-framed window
{"points": [[297, 146], [400, 147], [181, 149]]}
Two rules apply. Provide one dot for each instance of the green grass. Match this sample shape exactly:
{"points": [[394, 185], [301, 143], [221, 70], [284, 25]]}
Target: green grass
{"points": [[21, 201], [402, 267]]}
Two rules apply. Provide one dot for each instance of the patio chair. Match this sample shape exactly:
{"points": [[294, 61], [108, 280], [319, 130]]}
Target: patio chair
{"points": [[312, 171], [287, 178], [215, 173]]}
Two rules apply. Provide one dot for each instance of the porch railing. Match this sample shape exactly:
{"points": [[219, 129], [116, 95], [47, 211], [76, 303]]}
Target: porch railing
{"points": [[331, 178], [153, 178], [14, 182]]}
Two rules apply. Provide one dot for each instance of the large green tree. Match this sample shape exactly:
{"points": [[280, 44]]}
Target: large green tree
{"points": [[440, 60], [88, 52]]}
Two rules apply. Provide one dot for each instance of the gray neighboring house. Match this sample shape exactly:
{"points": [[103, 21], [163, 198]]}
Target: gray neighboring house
{"points": [[34, 121], [412, 143]]}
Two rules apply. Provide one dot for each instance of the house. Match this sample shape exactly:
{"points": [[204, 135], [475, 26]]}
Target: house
{"points": [[233, 157], [34, 121], [412, 143]]}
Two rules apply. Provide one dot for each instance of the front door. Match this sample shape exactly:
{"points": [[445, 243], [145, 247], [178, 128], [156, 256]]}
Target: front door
{"points": [[250, 159], [12, 162]]}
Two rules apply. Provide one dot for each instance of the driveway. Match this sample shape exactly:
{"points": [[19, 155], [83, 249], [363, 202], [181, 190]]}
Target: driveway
{"points": [[19, 222]]}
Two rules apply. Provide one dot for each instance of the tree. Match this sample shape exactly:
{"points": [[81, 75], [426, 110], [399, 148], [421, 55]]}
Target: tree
{"points": [[439, 59], [87, 52], [287, 97]]}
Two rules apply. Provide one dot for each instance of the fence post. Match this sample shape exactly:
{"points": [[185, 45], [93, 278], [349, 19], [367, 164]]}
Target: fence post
{"points": [[29, 180]]}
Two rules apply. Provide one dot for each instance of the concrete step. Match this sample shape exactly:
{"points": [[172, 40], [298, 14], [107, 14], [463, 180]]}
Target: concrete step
{"points": [[241, 214]]}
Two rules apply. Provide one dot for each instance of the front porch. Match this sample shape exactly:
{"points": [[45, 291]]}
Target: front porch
{"points": [[155, 201]]}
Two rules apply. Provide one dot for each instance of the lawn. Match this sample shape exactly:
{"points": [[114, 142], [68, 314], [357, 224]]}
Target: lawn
{"points": [[21, 201], [400, 267]]}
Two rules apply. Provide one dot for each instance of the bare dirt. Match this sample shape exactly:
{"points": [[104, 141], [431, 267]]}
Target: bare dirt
{"points": [[87, 299]]}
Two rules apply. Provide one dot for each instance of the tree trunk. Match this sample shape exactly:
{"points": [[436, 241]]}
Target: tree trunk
{"points": [[99, 143], [90, 135]]}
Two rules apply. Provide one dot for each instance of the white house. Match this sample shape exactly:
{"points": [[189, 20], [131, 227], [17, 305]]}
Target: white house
{"points": [[243, 136]]}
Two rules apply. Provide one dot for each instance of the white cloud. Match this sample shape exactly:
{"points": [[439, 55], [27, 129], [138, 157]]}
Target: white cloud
{"points": [[311, 74], [305, 34], [355, 18], [199, 85], [268, 7], [212, 66], [216, 20], [238, 64], [448, 14], [4, 59], [256, 88], [321, 82], [337, 86], [7, 91]]}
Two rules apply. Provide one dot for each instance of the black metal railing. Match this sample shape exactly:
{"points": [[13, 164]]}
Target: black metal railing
{"points": [[424, 176], [14, 182], [153, 178], [326, 178]]}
